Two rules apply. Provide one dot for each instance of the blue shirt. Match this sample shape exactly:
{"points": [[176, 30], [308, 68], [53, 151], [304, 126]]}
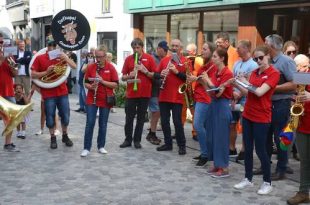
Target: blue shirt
{"points": [[244, 67], [286, 66]]}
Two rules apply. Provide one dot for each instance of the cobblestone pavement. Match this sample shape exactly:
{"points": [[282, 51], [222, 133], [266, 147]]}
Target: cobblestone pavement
{"points": [[39, 175]]}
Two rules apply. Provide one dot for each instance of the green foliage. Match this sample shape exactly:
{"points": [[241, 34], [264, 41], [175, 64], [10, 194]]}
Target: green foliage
{"points": [[120, 93]]}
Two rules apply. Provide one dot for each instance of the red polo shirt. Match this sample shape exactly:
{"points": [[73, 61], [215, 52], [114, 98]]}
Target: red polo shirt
{"points": [[220, 78], [200, 94], [304, 120], [145, 84], [108, 73], [6, 80], [40, 64], [258, 109], [170, 92]]}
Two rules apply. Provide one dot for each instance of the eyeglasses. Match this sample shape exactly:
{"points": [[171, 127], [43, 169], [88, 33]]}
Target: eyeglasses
{"points": [[291, 52], [100, 56], [259, 57]]}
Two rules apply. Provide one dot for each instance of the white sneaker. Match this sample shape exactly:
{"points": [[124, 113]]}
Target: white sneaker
{"points": [[243, 184], [84, 153], [113, 110], [265, 188], [40, 132], [56, 132], [102, 151], [18, 133]]}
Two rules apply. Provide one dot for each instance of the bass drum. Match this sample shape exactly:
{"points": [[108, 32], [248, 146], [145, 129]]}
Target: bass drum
{"points": [[53, 83]]}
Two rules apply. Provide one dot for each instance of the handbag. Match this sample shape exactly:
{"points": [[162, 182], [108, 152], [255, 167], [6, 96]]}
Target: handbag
{"points": [[111, 100]]}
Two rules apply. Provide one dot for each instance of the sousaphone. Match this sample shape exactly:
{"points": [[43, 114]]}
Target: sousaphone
{"points": [[71, 31]]}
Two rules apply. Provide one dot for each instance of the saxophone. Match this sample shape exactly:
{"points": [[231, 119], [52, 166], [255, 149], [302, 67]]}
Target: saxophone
{"points": [[186, 89], [297, 109]]}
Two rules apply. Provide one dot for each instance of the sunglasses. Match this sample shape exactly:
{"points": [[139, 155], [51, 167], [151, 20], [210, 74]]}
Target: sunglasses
{"points": [[291, 52], [258, 58], [52, 44]]}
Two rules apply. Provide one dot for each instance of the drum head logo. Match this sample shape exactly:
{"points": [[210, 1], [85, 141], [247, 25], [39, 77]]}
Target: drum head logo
{"points": [[70, 30]]}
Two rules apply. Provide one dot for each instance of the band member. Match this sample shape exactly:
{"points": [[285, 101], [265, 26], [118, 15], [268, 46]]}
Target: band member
{"points": [[161, 52], [281, 101], [54, 97], [196, 63], [139, 85], [23, 59], [7, 91], [222, 41], [244, 66], [219, 115], [172, 70], [257, 117], [98, 91], [303, 138], [202, 102]]}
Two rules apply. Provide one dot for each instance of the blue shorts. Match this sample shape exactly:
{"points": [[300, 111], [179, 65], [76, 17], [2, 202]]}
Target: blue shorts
{"points": [[236, 115], [62, 104], [153, 104]]}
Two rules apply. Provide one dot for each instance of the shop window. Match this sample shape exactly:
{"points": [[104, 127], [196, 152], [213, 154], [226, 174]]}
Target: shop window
{"points": [[185, 27], [155, 28], [217, 21]]}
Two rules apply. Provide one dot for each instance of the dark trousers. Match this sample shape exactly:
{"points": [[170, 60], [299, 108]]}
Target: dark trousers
{"points": [[255, 133], [165, 115], [135, 106], [280, 118]]}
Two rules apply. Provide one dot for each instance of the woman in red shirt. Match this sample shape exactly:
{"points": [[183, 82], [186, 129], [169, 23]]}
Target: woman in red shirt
{"points": [[219, 115], [257, 116]]}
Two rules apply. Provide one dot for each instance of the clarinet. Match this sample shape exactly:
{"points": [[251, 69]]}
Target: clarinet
{"points": [[96, 81]]}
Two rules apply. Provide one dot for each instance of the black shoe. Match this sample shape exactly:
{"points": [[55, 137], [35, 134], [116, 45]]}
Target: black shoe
{"points": [[21, 137], [277, 176], [182, 150], [233, 153], [137, 145], [296, 156], [202, 162], [196, 159], [258, 171], [80, 110], [240, 156], [195, 138], [53, 143], [173, 137], [66, 140], [125, 144], [289, 170], [164, 148]]}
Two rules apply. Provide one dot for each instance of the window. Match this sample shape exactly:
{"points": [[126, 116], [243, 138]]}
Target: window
{"points": [[185, 27], [215, 22], [155, 28], [105, 6]]}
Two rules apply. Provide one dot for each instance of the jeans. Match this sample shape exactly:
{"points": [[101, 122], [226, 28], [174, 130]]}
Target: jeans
{"points": [[90, 124], [200, 125], [280, 118], [82, 98], [254, 132], [165, 115], [303, 147], [62, 104], [135, 106]]}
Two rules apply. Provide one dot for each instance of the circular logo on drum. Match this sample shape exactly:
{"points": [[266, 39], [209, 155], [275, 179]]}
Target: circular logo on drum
{"points": [[70, 30]]}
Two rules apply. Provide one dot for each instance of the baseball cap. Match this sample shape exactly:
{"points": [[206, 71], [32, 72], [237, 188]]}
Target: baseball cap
{"points": [[163, 45]]}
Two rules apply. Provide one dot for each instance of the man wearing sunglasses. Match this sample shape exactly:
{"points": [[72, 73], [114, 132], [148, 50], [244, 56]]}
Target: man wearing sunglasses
{"points": [[6, 91], [281, 101], [56, 96]]}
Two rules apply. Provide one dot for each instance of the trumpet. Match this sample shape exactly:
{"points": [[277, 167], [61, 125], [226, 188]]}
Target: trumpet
{"points": [[58, 71], [174, 58], [12, 63], [187, 89]]}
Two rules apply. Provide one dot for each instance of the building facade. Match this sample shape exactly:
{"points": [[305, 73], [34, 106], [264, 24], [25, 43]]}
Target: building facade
{"points": [[197, 21]]}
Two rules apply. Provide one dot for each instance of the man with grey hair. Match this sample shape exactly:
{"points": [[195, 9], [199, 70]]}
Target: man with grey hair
{"points": [[281, 101]]}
